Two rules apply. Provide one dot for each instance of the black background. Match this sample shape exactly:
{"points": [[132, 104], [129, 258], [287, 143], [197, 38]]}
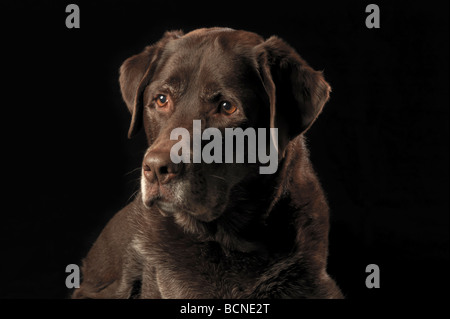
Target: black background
{"points": [[380, 148]]}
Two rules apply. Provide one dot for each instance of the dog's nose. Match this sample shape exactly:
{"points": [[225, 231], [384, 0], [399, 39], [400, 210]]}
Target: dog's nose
{"points": [[158, 166]]}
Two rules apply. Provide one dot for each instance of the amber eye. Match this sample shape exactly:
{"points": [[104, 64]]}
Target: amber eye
{"points": [[227, 107], [162, 100]]}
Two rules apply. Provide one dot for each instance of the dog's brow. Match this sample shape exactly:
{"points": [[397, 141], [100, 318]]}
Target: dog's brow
{"points": [[211, 93], [214, 97], [174, 85]]}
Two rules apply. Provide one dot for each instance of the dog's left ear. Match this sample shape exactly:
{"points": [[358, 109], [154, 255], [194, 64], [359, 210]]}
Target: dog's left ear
{"points": [[136, 73], [297, 92]]}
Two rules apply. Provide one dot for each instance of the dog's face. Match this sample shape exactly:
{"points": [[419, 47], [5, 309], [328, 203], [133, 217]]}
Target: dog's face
{"points": [[225, 79]]}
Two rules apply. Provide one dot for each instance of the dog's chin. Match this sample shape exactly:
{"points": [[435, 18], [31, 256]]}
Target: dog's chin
{"points": [[180, 212], [165, 209]]}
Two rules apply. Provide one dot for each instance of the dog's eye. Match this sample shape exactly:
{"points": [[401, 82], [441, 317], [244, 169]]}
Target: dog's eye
{"points": [[227, 107], [161, 100]]}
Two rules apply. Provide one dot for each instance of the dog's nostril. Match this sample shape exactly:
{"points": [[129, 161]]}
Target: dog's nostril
{"points": [[147, 172], [163, 170]]}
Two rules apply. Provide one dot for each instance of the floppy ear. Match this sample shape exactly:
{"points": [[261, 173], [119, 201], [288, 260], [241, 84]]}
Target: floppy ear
{"points": [[297, 92], [136, 73]]}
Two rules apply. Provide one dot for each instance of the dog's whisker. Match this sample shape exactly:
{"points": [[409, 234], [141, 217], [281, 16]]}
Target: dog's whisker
{"points": [[219, 177], [136, 180], [133, 195], [132, 171]]}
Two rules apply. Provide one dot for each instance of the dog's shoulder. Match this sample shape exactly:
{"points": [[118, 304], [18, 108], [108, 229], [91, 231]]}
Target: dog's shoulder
{"points": [[103, 270]]}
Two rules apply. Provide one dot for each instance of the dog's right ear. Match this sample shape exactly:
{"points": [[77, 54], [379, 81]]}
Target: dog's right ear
{"points": [[135, 75]]}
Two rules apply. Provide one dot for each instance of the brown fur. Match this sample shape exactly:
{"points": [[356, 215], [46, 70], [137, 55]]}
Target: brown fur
{"points": [[229, 232]]}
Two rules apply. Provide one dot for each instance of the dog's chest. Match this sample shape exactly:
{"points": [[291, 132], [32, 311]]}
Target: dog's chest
{"points": [[206, 271]]}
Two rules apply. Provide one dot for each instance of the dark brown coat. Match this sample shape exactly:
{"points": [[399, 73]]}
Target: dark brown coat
{"points": [[218, 230]]}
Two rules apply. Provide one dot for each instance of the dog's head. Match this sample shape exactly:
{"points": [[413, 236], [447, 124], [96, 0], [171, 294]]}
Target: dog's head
{"points": [[222, 78]]}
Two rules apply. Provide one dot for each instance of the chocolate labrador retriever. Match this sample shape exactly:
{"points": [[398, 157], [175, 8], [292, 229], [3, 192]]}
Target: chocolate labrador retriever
{"points": [[218, 229]]}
